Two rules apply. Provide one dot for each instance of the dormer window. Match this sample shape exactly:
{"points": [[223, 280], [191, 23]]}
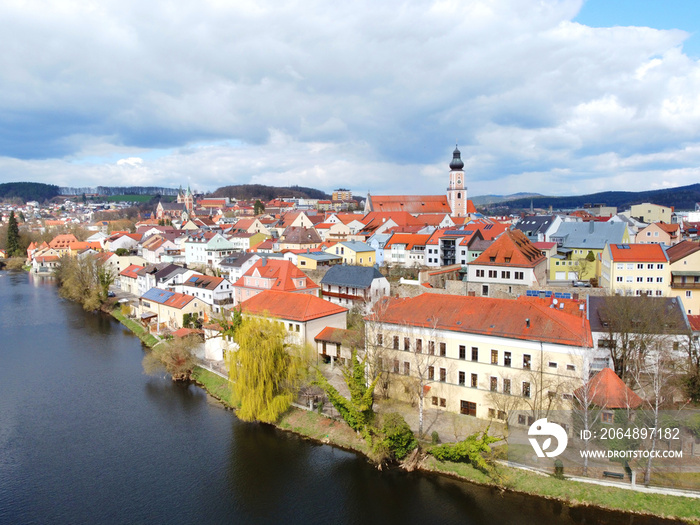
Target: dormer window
{"points": [[492, 259]]}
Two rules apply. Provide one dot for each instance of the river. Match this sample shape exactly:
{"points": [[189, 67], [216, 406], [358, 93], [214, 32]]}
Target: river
{"points": [[86, 437]]}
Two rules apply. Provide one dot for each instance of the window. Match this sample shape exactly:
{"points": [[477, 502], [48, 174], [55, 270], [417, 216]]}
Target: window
{"points": [[406, 344], [492, 413], [630, 266], [619, 266], [506, 358], [406, 368], [443, 402], [475, 353], [396, 342], [526, 361], [462, 378], [467, 408], [462, 352], [396, 366], [443, 374], [659, 279], [607, 418], [552, 364], [505, 275], [296, 328], [419, 346], [434, 400], [640, 266], [431, 372], [688, 293], [493, 384], [443, 349], [380, 339], [480, 273], [475, 381], [526, 389], [494, 357], [650, 266], [501, 415], [431, 347], [660, 266], [640, 279], [618, 278], [506, 386], [650, 279], [519, 275], [571, 368], [493, 274]]}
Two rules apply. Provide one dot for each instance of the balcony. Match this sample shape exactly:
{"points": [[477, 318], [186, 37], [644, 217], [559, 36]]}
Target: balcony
{"points": [[685, 286]]}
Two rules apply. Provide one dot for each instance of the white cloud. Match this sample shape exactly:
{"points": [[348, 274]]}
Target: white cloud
{"points": [[321, 94]]}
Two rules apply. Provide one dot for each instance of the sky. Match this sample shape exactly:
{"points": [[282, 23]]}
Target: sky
{"points": [[559, 97]]}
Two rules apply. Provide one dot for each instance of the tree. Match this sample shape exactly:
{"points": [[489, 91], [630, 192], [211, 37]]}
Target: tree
{"points": [[176, 355], [258, 207], [584, 267], [105, 278], [13, 247], [265, 371]]}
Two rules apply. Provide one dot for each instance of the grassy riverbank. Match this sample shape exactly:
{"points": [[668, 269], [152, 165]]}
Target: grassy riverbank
{"points": [[326, 430], [148, 339]]}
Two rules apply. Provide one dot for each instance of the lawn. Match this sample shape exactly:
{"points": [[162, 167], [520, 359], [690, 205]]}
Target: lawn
{"points": [[148, 339]]}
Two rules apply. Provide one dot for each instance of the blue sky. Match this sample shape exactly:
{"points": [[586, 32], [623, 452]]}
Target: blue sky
{"points": [[550, 96]]}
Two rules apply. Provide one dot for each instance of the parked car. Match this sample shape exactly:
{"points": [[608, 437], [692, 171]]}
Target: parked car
{"points": [[582, 284], [111, 294]]}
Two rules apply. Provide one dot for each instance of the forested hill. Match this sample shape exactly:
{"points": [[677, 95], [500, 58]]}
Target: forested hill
{"points": [[266, 193], [681, 198], [28, 191]]}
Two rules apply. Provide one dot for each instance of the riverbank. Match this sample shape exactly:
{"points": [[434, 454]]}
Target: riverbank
{"points": [[139, 331], [329, 431]]}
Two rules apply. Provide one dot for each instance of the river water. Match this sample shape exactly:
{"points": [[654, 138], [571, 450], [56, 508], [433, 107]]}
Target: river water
{"points": [[86, 437]]}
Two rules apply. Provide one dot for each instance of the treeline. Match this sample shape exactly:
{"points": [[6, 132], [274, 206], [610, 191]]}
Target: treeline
{"points": [[681, 198], [28, 191], [266, 193], [119, 190]]}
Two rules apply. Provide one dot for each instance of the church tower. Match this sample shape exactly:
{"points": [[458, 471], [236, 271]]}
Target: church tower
{"points": [[457, 191]]}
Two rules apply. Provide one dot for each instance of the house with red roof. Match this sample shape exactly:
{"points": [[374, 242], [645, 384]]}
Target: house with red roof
{"points": [[162, 310], [215, 292], [508, 267], [659, 233], [272, 274], [684, 264], [635, 269], [406, 249], [127, 279], [304, 316], [607, 391], [470, 350]]}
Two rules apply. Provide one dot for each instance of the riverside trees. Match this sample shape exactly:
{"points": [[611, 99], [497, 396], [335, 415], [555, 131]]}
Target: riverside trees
{"points": [[84, 280]]}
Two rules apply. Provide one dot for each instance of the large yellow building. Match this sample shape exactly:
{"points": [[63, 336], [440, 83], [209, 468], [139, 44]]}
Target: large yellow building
{"points": [[635, 269], [480, 356], [354, 252]]}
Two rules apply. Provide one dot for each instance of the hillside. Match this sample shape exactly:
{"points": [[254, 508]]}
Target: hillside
{"points": [[484, 200], [28, 191], [682, 198], [266, 193]]}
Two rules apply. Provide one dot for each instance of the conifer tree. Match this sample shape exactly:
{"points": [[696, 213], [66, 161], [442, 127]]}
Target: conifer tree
{"points": [[13, 249]]}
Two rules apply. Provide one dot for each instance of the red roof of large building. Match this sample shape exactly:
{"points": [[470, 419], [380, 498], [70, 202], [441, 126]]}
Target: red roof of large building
{"points": [[409, 239], [513, 248], [607, 390], [292, 306], [526, 320], [130, 271], [410, 203], [637, 253]]}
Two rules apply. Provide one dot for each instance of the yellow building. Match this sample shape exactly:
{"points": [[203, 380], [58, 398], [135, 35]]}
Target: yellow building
{"points": [[684, 260], [480, 356], [354, 252], [635, 269], [647, 212]]}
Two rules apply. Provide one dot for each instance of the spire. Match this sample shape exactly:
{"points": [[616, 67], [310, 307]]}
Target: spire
{"points": [[456, 164]]}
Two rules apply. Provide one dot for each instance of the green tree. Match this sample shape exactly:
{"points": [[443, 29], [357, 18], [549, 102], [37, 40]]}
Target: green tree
{"points": [[13, 248], [105, 278], [266, 373], [471, 450], [176, 356], [258, 207], [78, 281]]}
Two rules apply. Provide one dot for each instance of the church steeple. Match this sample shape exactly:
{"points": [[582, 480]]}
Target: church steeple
{"points": [[457, 190], [456, 164]]}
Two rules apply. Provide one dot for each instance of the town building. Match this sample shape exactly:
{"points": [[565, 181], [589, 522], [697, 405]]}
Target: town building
{"points": [[684, 264], [635, 269], [354, 286], [271, 274]]}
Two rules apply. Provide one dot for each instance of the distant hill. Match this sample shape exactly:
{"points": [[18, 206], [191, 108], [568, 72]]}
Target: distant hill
{"points": [[28, 191], [681, 198], [266, 193], [483, 200]]}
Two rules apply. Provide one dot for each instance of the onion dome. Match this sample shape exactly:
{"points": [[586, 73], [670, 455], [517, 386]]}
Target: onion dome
{"points": [[456, 164]]}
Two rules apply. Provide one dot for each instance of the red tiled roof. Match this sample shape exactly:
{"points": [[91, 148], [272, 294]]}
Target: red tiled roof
{"points": [[184, 332], [637, 253], [541, 245], [681, 250], [339, 335], [207, 282], [411, 203], [607, 390], [410, 239], [694, 321], [282, 271], [292, 306], [513, 248], [130, 271], [487, 316]]}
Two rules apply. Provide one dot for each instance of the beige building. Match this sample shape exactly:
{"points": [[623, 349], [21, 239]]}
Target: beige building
{"points": [[635, 269], [659, 233], [480, 356], [647, 212], [684, 259]]}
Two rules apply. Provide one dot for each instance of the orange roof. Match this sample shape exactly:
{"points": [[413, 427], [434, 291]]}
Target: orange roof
{"points": [[292, 306], [637, 253], [130, 271], [513, 248], [409, 239], [682, 249], [672, 229], [411, 203], [694, 321], [375, 219], [62, 241], [282, 271], [184, 332], [487, 316], [607, 390]]}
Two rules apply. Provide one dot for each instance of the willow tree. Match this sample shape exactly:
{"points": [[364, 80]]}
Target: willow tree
{"points": [[265, 371]]}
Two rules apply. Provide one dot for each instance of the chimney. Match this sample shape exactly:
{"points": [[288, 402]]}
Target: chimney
{"points": [[527, 323], [264, 261]]}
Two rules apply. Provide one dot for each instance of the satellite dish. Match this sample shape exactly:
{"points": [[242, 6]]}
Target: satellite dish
{"points": [[555, 301]]}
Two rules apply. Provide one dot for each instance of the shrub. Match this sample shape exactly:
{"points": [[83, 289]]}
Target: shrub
{"points": [[398, 437], [471, 450], [435, 437]]}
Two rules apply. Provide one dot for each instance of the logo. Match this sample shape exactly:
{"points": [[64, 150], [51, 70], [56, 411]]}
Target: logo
{"points": [[542, 427]]}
